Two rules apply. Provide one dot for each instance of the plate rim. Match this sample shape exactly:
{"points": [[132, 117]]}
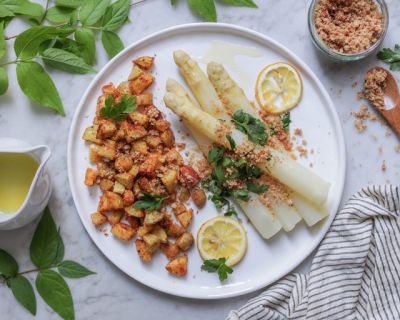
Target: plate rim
{"points": [[265, 40]]}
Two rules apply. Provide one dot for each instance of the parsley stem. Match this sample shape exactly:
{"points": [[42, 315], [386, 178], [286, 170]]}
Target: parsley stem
{"points": [[8, 62], [45, 13]]}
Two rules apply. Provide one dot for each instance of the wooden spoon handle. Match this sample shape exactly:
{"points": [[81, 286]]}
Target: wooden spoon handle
{"points": [[393, 117]]}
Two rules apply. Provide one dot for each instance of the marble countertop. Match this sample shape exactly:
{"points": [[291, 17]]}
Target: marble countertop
{"points": [[111, 294]]}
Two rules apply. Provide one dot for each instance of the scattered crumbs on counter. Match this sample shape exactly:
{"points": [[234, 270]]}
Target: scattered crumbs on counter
{"points": [[380, 150], [383, 166], [354, 84], [397, 148], [298, 132], [303, 152], [304, 142]]}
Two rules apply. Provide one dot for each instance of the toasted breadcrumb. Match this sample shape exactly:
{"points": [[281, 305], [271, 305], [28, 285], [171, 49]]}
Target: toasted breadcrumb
{"points": [[383, 166], [374, 87]]}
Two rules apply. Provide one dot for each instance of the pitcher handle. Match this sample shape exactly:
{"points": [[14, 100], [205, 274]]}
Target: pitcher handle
{"points": [[45, 179]]}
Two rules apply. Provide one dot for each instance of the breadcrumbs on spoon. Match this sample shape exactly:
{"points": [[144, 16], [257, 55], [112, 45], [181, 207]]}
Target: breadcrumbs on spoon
{"points": [[374, 87]]}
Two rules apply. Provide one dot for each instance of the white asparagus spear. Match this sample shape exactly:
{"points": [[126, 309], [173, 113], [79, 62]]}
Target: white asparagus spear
{"points": [[235, 99], [261, 218], [287, 215]]}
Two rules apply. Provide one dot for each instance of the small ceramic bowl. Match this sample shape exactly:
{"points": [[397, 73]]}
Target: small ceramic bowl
{"points": [[343, 56], [40, 190]]}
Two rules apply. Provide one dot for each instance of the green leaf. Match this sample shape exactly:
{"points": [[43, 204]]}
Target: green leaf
{"points": [[65, 61], [23, 292], [215, 154], [37, 85], [27, 43], [257, 188], [395, 66], [56, 293], [60, 249], [254, 128], [218, 266], [2, 40], [285, 118], [391, 56], [3, 81], [59, 14], [149, 202], [111, 43], [8, 265], [69, 3], [232, 142], [29, 9], [116, 15], [204, 8], [71, 269], [85, 37], [240, 3], [67, 44], [92, 10], [45, 241], [173, 2], [118, 111], [5, 12], [241, 194]]}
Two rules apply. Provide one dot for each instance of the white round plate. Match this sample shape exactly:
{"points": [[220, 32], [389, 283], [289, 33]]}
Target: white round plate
{"points": [[265, 261]]}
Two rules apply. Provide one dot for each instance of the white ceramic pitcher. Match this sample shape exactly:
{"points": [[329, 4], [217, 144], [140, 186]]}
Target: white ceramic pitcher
{"points": [[39, 191]]}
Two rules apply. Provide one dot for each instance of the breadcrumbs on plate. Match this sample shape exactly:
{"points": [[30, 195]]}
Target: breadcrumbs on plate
{"points": [[383, 166], [374, 87], [348, 26], [303, 152], [360, 125], [298, 132]]}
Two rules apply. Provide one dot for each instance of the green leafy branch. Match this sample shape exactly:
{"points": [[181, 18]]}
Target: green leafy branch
{"points": [[46, 253]]}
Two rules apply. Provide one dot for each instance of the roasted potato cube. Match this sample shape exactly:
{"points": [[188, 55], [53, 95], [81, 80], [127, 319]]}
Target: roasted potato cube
{"points": [[132, 132], [136, 72], [150, 165], [178, 266], [90, 134], [153, 217], [118, 188], [170, 179], [199, 197], [144, 99], [104, 171], [145, 62], [173, 156], [188, 176], [115, 216], [153, 141], [184, 194], [152, 241], [90, 177], [173, 229], [160, 233], [143, 250], [162, 125], [145, 229], [134, 222], [106, 129], [123, 231], [185, 218], [140, 84], [134, 212], [107, 152], [128, 198], [125, 179], [93, 153], [110, 201], [171, 250], [140, 146], [106, 185], [98, 218], [134, 171], [119, 135], [123, 163], [178, 208], [108, 88], [185, 241], [123, 87], [167, 137], [139, 118]]}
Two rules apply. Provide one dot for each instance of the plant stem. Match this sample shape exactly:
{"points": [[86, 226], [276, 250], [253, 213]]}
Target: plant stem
{"points": [[35, 270], [45, 13], [9, 62]]}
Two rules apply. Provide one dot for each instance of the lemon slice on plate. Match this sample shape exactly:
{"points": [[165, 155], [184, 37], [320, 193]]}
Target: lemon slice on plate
{"points": [[222, 237], [278, 87]]}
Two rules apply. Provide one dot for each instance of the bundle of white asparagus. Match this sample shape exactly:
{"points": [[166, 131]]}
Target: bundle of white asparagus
{"points": [[308, 191]]}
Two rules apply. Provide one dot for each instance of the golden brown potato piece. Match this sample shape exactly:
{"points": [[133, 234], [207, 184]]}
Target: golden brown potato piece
{"points": [[115, 217], [93, 154], [160, 233], [123, 163], [145, 62], [185, 241], [90, 177], [139, 118], [132, 211], [184, 194], [185, 218], [153, 141], [173, 229], [105, 151], [125, 179], [170, 179], [140, 84], [173, 156], [199, 197], [110, 201], [106, 185], [178, 266], [152, 241], [98, 218], [144, 99], [104, 171], [118, 188], [106, 129], [162, 125], [90, 134], [134, 171], [140, 146], [167, 137], [136, 72], [143, 250], [134, 222], [133, 132], [153, 217], [150, 165], [171, 250], [123, 231], [145, 229], [128, 198]]}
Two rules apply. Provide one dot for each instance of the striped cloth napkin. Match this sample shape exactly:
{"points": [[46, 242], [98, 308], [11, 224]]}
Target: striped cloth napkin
{"points": [[355, 273]]}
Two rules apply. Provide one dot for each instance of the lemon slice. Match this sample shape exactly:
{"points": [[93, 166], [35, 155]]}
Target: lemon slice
{"points": [[278, 87], [222, 237]]}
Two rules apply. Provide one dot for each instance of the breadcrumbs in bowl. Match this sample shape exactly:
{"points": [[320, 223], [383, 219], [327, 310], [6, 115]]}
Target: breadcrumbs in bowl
{"points": [[348, 30]]}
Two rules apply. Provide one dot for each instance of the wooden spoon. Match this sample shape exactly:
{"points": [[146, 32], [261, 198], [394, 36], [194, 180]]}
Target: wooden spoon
{"points": [[391, 113]]}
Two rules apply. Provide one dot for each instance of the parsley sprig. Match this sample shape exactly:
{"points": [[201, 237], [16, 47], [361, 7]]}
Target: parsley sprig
{"points": [[149, 202], [118, 111], [219, 266], [254, 128], [238, 169], [391, 56], [285, 118]]}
